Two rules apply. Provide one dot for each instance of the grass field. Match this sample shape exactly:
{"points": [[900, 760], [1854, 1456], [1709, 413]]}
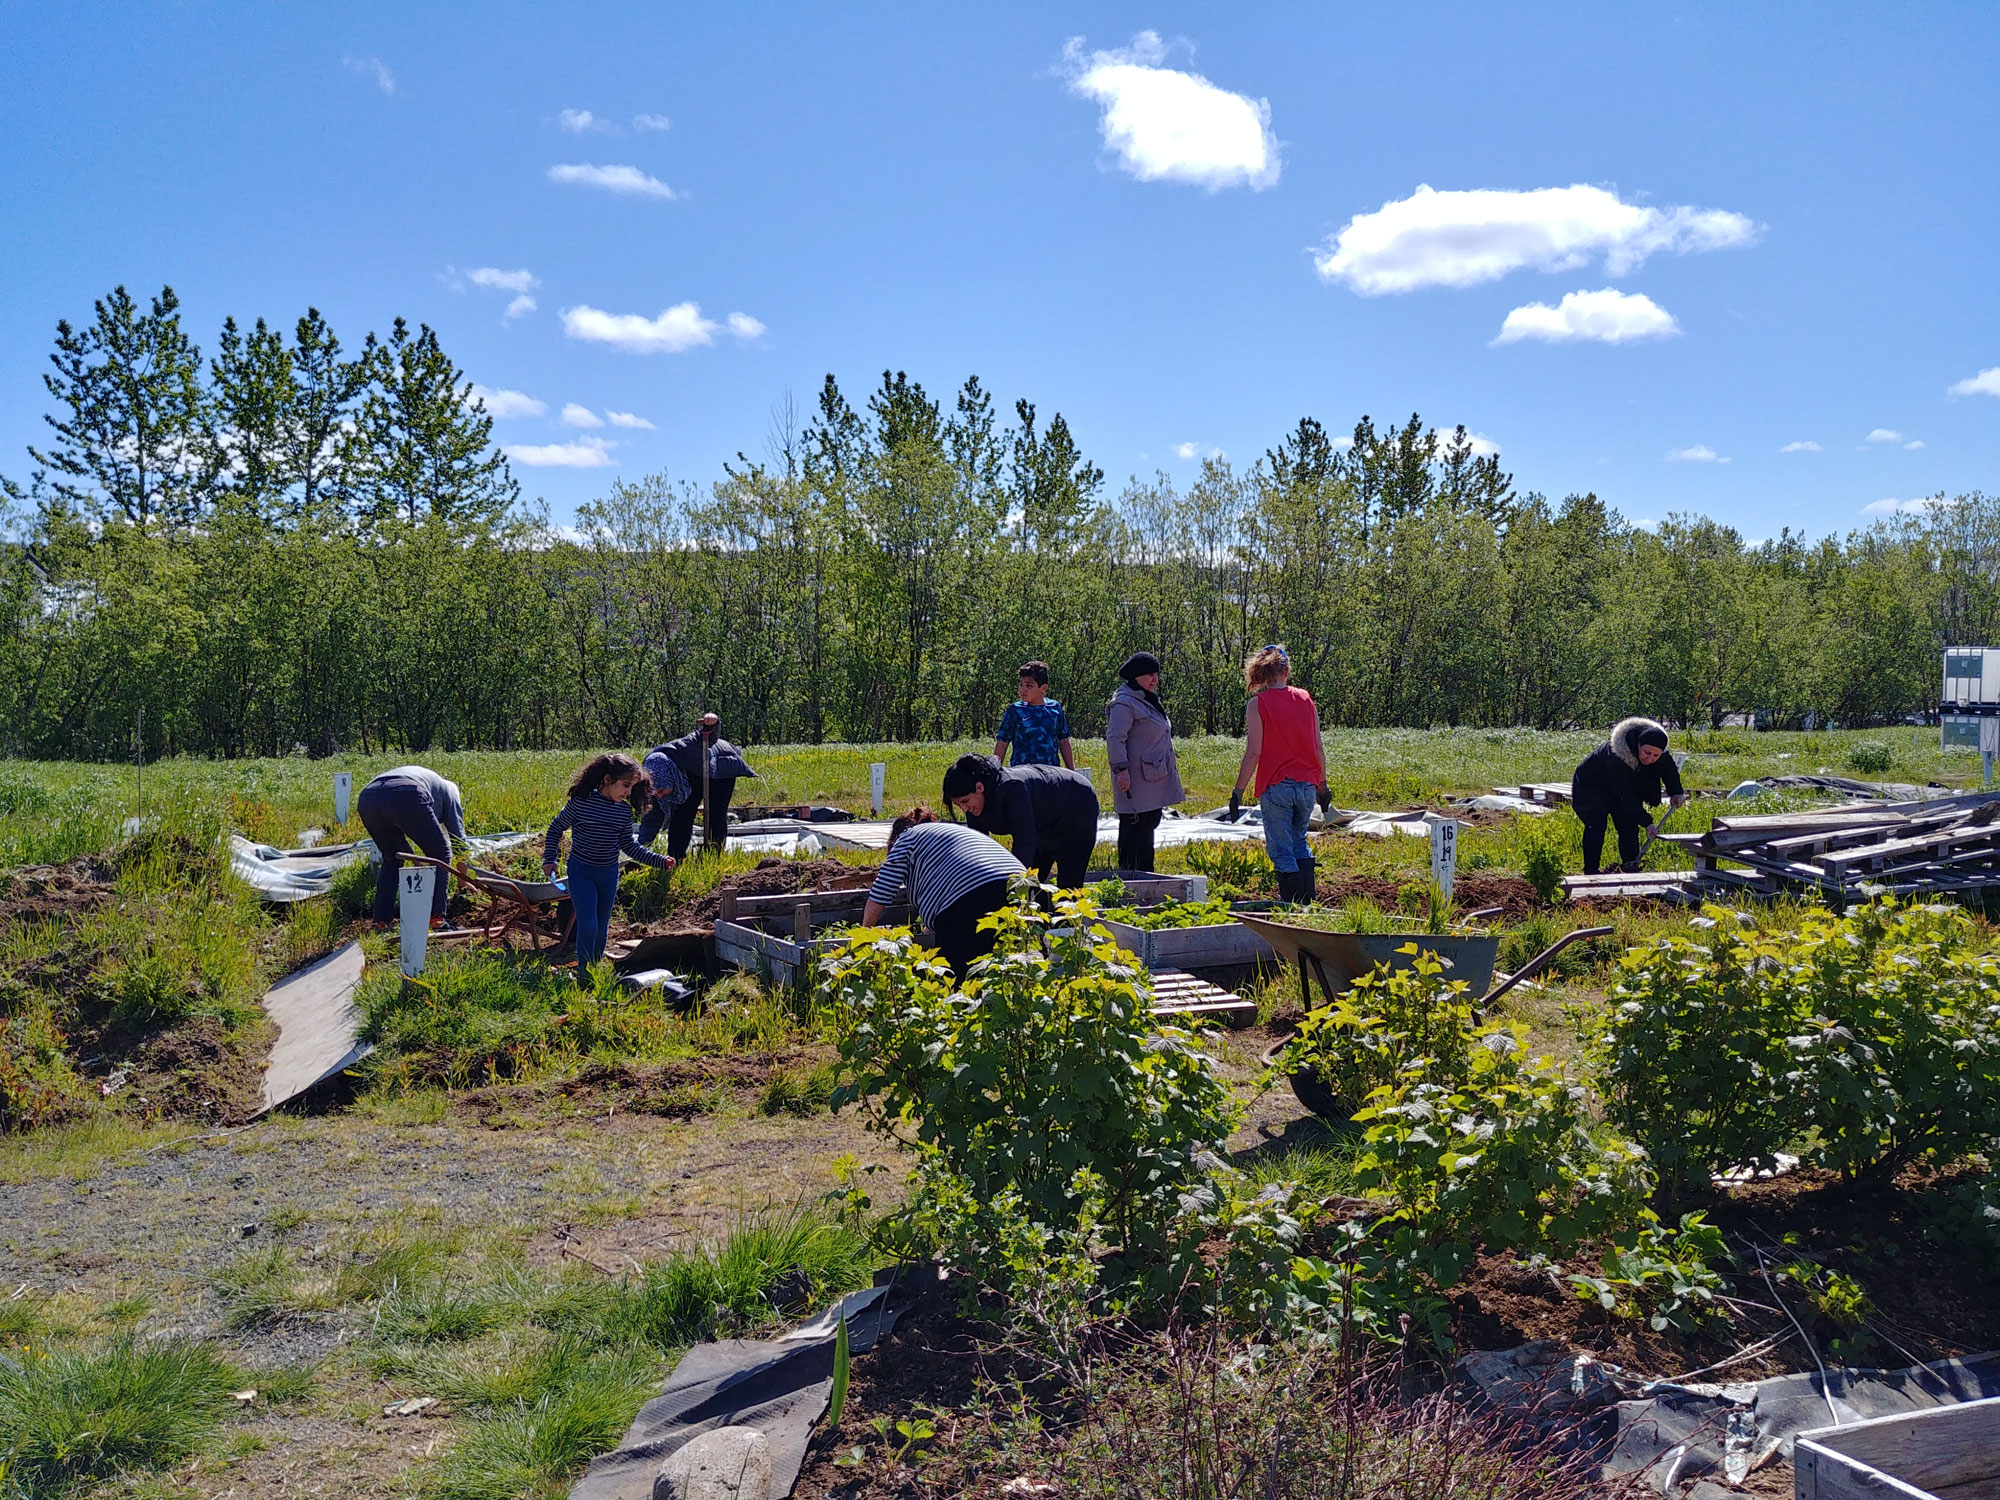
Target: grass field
{"points": [[53, 810]]}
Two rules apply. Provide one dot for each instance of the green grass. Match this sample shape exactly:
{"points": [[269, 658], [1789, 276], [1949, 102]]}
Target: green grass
{"points": [[51, 810], [72, 1416], [474, 1018]]}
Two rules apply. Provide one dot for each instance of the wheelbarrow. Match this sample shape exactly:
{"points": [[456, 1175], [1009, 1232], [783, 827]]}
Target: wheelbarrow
{"points": [[533, 907], [1334, 960]]}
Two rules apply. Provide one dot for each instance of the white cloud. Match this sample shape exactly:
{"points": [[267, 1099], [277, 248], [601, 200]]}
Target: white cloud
{"points": [[1913, 444], [1186, 450], [584, 453], [1605, 317], [651, 122], [1482, 445], [745, 327], [504, 405], [679, 328], [372, 68], [627, 419], [521, 306], [629, 182], [1902, 507], [1343, 443], [496, 280], [1985, 383], [1170, 126], [580, 416], [1700, 453], [1885, 435], [578, 121], [1804, 445], [1464, 238], [1647, 524]]}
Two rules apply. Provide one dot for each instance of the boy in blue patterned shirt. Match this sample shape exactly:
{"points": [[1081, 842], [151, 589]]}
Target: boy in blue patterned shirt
{"points": [[1035, 725]]}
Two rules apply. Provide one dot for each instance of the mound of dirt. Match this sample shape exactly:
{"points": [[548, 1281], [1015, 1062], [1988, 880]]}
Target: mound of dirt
{"points": [[772, 877], [38, 892], [199, 1070]]}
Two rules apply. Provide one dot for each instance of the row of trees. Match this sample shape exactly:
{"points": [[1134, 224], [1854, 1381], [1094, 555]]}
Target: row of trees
{"points": [[288, 546]]}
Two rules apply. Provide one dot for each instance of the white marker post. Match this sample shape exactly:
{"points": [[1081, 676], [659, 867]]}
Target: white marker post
{"points": [[1989, 745], [343, 791], [413, 897], [878, 776], [1444, 851]]}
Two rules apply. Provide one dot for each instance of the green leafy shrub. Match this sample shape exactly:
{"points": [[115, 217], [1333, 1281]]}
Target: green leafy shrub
{"points": [[1234, 867], [1213, 912], [1870, 758], [1388, 1024], [1055, 1066], [1868, 1040], [1666, 1275], [1542, 858], [1504, 1159]]}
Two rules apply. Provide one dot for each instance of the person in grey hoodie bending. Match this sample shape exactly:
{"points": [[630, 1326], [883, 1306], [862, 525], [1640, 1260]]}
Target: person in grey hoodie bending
{"points": [[1139, 739], [410, 805]]}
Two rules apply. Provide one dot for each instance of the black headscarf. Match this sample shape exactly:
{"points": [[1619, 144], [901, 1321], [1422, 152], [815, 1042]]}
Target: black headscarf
{"points": [[1137, 665]]}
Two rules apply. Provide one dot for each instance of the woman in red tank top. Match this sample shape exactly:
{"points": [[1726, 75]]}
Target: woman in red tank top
{"points": [[1282, 748]]}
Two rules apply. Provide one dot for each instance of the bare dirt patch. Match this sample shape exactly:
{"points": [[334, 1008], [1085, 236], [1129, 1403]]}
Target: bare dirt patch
{"points": [[772, 877]]}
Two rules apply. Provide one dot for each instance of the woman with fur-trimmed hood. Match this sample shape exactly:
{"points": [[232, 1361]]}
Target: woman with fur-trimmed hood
{"points": [[1617, 782]]}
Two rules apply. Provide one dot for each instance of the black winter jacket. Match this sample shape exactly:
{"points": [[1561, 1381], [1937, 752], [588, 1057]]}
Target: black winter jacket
{"points": [[685, 752], [1612, 780], [1042, 807]]}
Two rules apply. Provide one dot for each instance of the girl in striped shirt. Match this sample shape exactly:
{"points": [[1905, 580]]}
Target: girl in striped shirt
{"points": [[603, 801]]}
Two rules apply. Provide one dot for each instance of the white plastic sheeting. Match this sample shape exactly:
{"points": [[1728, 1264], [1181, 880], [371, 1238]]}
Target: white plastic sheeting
{"points": [[300, 874]]}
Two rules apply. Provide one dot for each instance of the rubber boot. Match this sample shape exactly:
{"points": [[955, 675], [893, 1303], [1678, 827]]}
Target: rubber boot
{"points": [[1288, 886], [1308, 880]]}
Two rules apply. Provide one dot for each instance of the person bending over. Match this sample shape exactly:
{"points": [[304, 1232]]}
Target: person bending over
{"points": [[1617, 782], [1050, 813], [410, 805], [598, 817], [681, 798], [1034, 724], [951, 875]]}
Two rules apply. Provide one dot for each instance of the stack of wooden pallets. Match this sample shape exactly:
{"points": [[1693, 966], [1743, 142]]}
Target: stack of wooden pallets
{"points": [[1938, 846]]}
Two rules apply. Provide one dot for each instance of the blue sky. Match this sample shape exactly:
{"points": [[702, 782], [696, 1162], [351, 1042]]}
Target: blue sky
{"points": [[1184, 229]]}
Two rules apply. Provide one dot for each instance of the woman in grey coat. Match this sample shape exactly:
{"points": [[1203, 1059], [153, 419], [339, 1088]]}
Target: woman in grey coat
{"points": [[1139, 738]]}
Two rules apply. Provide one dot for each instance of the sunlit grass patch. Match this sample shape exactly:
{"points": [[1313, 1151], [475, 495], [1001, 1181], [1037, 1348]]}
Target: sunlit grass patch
{"points": [[72, 1416]]}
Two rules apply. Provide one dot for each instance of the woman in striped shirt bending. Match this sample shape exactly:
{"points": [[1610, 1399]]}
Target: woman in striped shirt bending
{"points": [[954, 875], [603, 801]]}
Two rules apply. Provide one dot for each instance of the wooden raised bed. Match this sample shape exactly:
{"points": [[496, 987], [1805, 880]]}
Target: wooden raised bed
{"points": [[773, 935], [1943, 1453], [1223, 945]]}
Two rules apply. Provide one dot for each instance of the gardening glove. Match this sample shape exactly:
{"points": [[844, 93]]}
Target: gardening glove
{"points": [[1235, 804], [1325, 795]]}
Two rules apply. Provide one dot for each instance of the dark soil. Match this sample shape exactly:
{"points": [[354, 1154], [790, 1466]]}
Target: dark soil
{"points": [[199, 1070], [773, 877], [931, 1366], [679, 1090], [36, 893]]}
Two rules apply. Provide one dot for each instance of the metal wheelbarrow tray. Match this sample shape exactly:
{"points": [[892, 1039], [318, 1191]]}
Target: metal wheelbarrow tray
{"points": [[1337, 959]]}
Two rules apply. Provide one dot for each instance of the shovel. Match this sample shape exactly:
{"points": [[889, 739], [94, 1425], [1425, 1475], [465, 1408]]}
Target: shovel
{"points": [[1653, 835]]}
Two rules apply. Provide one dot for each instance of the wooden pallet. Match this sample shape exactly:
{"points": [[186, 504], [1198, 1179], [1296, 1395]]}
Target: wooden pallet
{"points": [[1180, 996]]}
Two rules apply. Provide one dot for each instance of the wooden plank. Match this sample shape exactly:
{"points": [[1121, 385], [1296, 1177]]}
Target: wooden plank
{"points": [[1221, 945], [1180, 994], [819, 901], [1940, 1450], [319, 1026], [1921, 849]]}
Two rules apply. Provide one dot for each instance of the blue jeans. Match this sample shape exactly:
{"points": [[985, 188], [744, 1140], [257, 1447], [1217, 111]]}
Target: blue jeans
{"points": [[1287, 808], [592, 889]]}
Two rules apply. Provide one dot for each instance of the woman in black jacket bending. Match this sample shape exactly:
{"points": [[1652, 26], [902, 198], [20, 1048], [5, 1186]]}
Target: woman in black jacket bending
{"points": [[1617, 782], [1050, 812]]}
